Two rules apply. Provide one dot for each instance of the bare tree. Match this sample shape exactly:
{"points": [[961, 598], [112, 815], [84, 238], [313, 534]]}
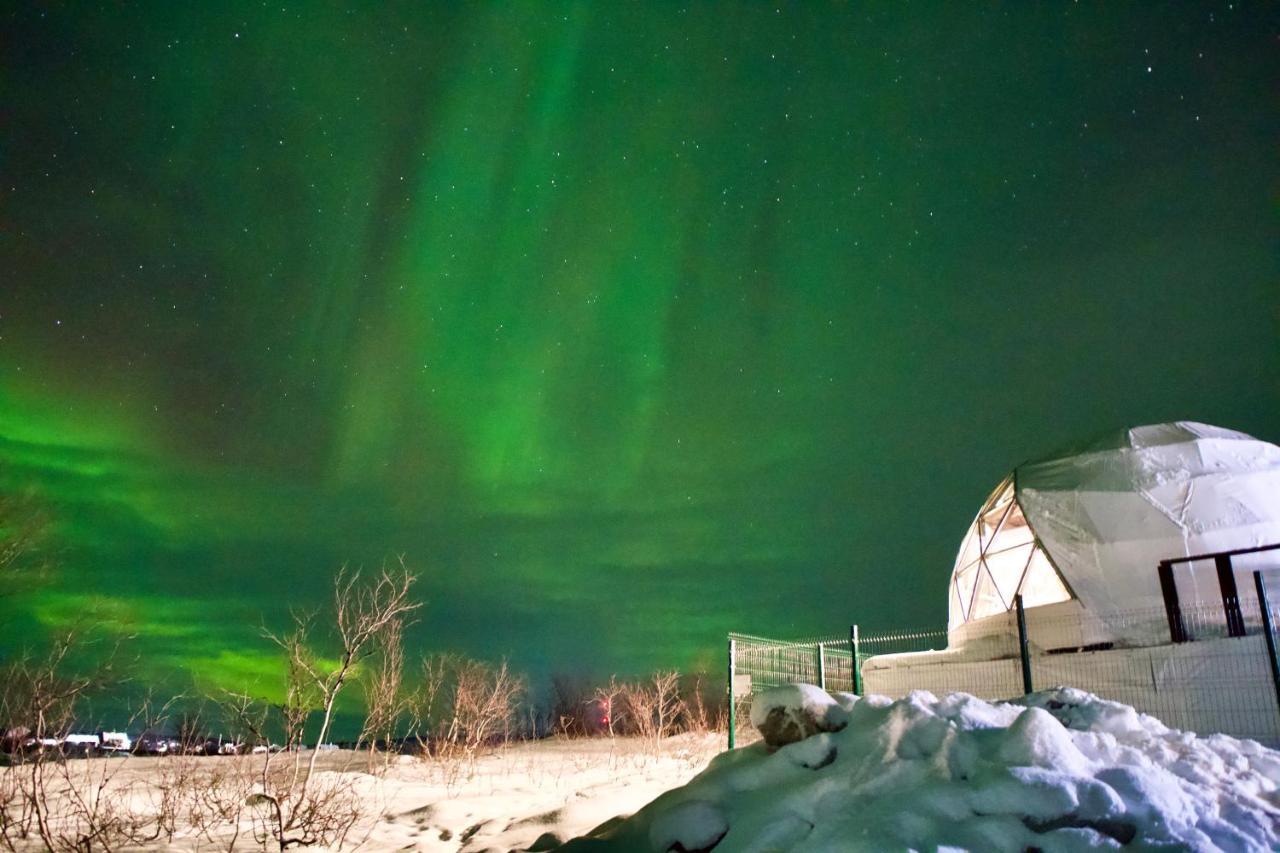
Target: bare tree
{"points": [[484, 700], [363, 610], [608, 697], [152, 717], [39, 702], [246, 719], [464, 705], [302, 695], [385, 701], [427, 701], [667, 704], [654, 707], [190, 729]]}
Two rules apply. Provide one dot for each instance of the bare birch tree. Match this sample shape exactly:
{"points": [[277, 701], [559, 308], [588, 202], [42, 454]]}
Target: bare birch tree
{"points": [[363, 610]]}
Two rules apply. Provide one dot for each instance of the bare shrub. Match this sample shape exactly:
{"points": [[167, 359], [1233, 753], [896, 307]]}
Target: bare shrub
{"points": [[60, 804], [464, 705], [175, 795], [325, 813], [653, 706], [282, 811], [704, 703], [485, 701], [204, 800]]}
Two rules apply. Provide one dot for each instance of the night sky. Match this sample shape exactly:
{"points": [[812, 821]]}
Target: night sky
{"points": [[627, 324]]}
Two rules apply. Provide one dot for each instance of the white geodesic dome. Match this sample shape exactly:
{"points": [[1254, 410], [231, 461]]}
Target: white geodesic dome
{"points": [[1090, 524]]}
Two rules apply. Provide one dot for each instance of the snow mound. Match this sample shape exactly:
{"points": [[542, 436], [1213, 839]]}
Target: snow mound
{"points": [[794, 712], [1060, 770]]}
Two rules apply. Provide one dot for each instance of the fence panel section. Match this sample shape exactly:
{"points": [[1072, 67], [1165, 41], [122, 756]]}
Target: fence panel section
{"points": [[1214, 682]]}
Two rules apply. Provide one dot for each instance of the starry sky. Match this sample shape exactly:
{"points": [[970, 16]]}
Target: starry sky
{"points": [[627, 324]]}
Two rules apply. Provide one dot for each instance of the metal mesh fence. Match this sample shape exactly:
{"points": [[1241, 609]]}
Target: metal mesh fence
{"points": [[1219, 680], [762, 663]]}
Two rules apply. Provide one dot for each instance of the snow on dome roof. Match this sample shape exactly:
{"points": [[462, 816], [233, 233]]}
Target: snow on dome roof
{"points": [[1151, 435], [1091, 522]]}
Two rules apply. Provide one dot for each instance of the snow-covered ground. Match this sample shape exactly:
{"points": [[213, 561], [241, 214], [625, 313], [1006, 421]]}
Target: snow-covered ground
{"points": [[534, 794], [528, 795], [1060, 771]]}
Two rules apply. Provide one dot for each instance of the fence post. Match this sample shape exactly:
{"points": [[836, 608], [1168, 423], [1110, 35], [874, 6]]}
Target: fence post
{"points": [[854, 648], [1023, 650], [822, 668], [1172, 608], [1268, 631], [733, 700], [1230, 597]]}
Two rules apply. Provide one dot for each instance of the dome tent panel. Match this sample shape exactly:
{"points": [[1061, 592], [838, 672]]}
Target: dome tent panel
{"points": [[986, 598], [1240, 503], [1014, 531], [965, 579], [993, 518], [1116, 516], [970, 549], [1198, 581], [1041, 585], [1007, 568]]}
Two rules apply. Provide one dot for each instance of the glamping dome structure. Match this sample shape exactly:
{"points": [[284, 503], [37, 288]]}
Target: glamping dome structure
{"points": [[1079, 534], [1096, 540]]}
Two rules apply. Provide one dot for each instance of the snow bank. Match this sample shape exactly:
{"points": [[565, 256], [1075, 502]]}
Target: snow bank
{"points": [[1061, 770]]}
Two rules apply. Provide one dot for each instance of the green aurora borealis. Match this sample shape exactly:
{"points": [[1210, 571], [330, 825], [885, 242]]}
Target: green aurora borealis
{"points": [[627, 324]]}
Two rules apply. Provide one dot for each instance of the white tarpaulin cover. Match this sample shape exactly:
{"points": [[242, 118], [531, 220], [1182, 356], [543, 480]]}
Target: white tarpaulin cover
{"points": [[1092, 522]]}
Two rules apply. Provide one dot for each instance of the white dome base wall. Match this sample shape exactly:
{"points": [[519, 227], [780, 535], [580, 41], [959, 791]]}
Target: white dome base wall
{"points": [[1064, 625], [1208, 686]]}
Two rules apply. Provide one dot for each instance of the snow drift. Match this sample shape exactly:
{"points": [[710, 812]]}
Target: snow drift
{"points": [[1060, 770]]}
